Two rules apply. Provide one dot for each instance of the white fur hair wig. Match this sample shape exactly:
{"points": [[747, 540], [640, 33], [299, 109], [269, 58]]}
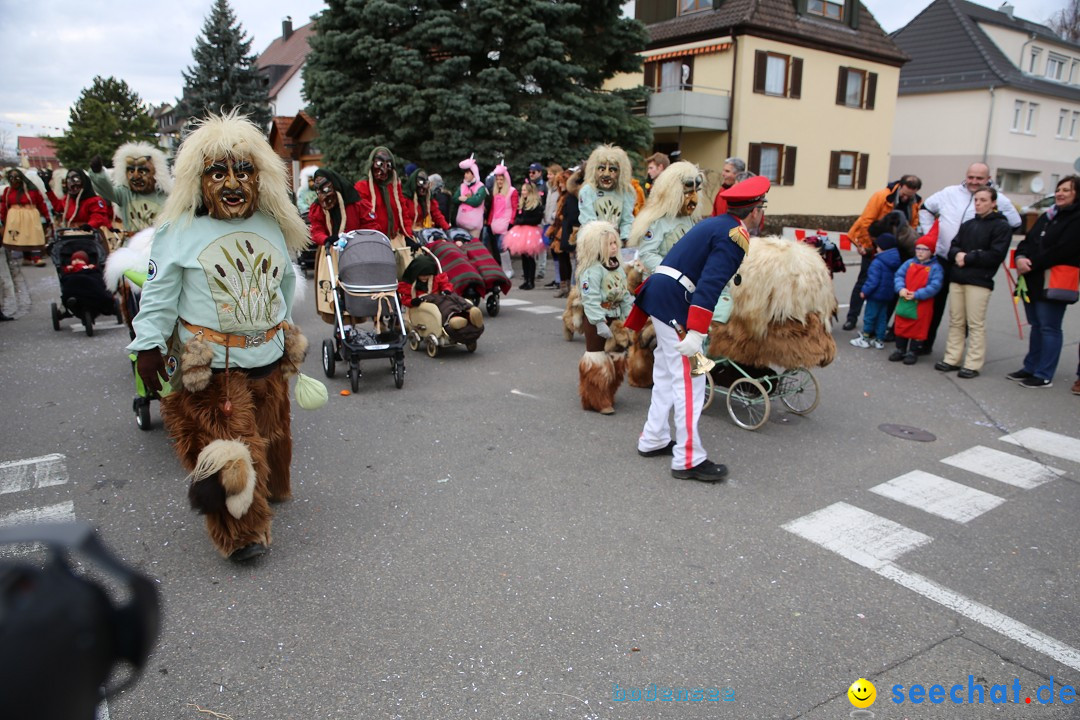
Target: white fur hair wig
{"points": [[306, 174], [233, 135], [592, 240], [162, 177], [666, 199], [610, 154]]}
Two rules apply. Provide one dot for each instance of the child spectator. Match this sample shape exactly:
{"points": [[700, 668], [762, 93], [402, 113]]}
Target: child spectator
{"points": [[79, 261], [917, 282], [878, 292], [423, 283]]}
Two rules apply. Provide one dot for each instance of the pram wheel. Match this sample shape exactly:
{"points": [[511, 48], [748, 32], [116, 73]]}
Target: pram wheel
{"points": [[798, 390], [88, 322], [414, 341], [493, 304], [328, 358], [710, 391], [56, 317], [399, 373], [141, 406], [748, 403], [354, 377], [471, 346], [432, 346]]}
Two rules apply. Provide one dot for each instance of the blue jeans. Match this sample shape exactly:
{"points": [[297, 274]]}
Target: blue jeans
{"points": [[1046, 339], [876, 319]]}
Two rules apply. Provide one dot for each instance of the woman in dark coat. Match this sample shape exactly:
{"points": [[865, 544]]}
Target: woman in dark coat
{"points": [[978, 249], [1053, 240]]}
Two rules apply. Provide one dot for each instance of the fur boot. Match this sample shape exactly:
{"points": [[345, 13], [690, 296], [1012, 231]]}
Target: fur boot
{"points": [[230, 462], [573, 315], [564, 289], [639, 366], [596, 382]]}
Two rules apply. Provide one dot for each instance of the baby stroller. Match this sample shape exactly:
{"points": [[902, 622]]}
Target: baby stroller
{"points": [[495, 280], [83, 293], [430, 323], [463, 275], [365, 287]]}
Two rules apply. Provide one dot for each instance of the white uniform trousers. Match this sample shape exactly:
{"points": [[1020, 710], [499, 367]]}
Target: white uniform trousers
{"points": [[674, 389]]}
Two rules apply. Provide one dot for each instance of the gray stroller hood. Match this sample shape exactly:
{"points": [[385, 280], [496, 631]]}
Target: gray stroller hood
{"points": [[366, 267]]}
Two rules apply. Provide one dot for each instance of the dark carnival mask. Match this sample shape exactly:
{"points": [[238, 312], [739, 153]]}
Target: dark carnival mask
{"points": [[230, 188]]}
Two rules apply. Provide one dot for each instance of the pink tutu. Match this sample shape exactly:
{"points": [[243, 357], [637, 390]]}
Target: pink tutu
{"points": [[524, 240]]}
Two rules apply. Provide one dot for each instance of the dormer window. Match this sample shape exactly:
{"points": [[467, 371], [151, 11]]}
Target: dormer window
{"points": [[687, 7], [826, 9], [1055, 67]]}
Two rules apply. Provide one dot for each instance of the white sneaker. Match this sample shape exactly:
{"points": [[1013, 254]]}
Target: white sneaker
{"points": [[860, 342], [877, 344]]}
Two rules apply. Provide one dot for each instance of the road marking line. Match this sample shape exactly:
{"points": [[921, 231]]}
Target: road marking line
{"points": [[102, 711], [873, 542], [60, 512], [862, 537], [541, 309], [98, 327], [938, 496], [1044, 441], [1004, 467], [44, 471], [512, 302]]}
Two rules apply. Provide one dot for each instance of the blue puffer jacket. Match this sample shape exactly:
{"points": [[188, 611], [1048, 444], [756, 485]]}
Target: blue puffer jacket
{"points": [[878, 285]]}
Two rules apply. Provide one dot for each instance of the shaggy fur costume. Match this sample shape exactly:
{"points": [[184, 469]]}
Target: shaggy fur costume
{"points": [[573, 315], [639, 360], [600, 373], [781, 309]]}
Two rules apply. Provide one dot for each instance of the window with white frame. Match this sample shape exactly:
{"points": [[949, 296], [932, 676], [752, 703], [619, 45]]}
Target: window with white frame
{"points": [[1032, 116], [1063, 122], [1034, 62], [1055, 67], [1073, 124], [1018, 114], [1073, 75]]}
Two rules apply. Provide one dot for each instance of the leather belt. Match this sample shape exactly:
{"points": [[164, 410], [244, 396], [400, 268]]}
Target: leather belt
{"points": [[678, 276], [229, 340]]}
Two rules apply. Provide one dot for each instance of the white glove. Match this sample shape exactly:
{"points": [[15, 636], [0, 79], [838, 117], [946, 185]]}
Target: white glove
{"points": [[603, 330], [690, 345]]}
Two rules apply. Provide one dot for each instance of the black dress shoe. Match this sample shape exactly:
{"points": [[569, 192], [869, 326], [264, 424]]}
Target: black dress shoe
{"points": [[897, 356], [666, 450], [910, 358], [849, 324], [945, 367], [248, 552], [966, 373], [705, 471]]}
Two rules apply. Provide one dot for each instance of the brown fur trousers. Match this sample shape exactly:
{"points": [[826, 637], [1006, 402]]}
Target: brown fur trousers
{"points": [[239, 463], [639, 361]]}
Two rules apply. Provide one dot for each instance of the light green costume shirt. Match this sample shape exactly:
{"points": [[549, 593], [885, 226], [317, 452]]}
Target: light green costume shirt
{"points": [[615, 207], [660, 238], [138, 210], [600, 285], [233, 276]]}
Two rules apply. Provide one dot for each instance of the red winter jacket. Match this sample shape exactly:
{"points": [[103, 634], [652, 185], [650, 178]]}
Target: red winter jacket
{"points": [[405, 290], [320, 223], [10, 199], [378, 219], [92, 211]]}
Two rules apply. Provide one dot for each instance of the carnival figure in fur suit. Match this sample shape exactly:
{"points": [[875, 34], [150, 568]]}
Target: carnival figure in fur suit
{"points": [[221, 280], [605, 302], [139, 184], [673, 208], [608, 193], [781, 309]]}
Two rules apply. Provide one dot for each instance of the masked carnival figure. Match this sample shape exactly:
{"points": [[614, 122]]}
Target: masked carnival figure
{"points": [[81, 205], [423, 211], [605, 301], [139, 184], [673, 208], [336, 211], [22, 210], [381, 197], [608, 193], [216, 319]]}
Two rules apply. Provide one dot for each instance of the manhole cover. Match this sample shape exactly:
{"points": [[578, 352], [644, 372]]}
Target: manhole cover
{"points": [[907, 432]]}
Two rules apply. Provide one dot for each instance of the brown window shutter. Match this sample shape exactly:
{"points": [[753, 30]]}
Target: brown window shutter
{"points": [[871, 90], [753, 160], [650, 75], [841, 87], [834, 169], [796, 78], [864, 166], [760, 60], [789, 165]]}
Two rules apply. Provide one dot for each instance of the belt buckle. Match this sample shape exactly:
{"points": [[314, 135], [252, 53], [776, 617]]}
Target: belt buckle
{"points": [[251, 341]]}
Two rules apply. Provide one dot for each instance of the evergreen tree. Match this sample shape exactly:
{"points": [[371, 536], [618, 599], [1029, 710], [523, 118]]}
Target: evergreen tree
{"points": [[224, 75], [106, 115], [435, 80]]}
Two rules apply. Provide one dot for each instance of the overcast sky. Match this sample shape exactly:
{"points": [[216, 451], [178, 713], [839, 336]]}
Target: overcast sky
{"points": [[54, 49]]}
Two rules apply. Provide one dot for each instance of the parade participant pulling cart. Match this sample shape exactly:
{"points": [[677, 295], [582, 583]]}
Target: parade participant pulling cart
{"points": [[777, 314]]}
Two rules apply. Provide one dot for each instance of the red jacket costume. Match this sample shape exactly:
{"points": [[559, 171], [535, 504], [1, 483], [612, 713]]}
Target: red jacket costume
{"points": [[405, 290], [92, 211], [378, 219], [10, 198], [414, 215], [320, 229]]}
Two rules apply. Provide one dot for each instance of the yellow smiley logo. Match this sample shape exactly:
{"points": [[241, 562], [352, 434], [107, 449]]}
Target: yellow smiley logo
{"points": [[862, 693]]}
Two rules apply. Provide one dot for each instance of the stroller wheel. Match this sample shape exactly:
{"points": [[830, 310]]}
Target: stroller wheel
{"points": [[354, 377], [432, 346], [471, 346], [142, 413], [56, 317], [328, 358], [399, 373], [88, 323], [414, 341], [493, 304]]}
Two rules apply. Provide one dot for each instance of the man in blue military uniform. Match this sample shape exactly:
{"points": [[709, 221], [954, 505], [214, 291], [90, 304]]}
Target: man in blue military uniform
{"points": [[680, 296]]}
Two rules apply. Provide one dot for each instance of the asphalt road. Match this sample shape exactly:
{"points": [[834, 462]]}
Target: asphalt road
{"points": [[475, 545]]}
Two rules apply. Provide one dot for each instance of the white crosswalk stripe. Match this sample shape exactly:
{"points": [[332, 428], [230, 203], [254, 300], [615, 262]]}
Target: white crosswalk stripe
{"points": [[541, 309], [1003, 467], [60, 512], [44, 471], [1044, 441], [938, 496], [860, 536], [512, 302]]}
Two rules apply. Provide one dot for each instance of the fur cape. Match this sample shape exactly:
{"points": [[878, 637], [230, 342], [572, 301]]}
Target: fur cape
{"points": [[162, 176], [781, 309]]}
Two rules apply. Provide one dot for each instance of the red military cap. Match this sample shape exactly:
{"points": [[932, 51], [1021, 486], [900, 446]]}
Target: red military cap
{"points": [[750, 191]]}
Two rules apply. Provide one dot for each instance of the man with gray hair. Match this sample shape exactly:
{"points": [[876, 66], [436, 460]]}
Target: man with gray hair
{"points": [[733, 167]]}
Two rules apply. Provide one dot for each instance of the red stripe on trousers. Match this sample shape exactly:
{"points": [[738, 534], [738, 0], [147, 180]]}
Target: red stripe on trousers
{"points": [[688, 397]]}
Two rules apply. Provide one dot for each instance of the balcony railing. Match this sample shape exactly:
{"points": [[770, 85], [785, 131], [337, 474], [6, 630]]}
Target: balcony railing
{"points": [[689, 108]]}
